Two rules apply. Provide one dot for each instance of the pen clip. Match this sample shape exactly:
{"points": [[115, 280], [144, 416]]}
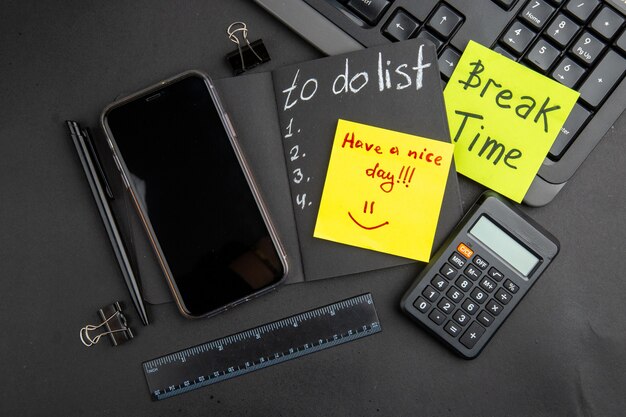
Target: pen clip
{"points": [[96, 159]]}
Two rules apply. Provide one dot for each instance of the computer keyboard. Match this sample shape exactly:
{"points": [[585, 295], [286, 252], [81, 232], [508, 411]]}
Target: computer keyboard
{"points": [[579, 43]]}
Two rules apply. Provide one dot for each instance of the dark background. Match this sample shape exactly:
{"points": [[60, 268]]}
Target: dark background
{"points": [[560, 354]]}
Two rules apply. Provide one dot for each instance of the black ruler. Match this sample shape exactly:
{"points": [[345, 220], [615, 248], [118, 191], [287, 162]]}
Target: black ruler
{"points": [[262, 346]]}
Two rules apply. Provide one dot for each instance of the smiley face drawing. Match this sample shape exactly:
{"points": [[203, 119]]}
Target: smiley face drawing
{"points": [[371, 211]]}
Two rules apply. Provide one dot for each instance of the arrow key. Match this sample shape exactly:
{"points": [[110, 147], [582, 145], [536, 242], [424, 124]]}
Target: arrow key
{"points": [[447, 61], [567, 72], [444, 21], [401, 26], [518, 37]]}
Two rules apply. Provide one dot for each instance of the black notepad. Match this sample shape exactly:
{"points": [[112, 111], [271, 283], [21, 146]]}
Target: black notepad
{"points": [[256, 106]]}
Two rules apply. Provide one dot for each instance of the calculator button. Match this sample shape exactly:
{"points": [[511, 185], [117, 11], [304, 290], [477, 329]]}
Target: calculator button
{"points": [[421, 304], [495, 274], [447, 271], [493, 307], [587, 48], [487, 284], [401, 26], [452, 328], [444, 21], [485, 318], [536, 13], [581, 9], [471, 335], [607, 22], [511, 286], [454, 294], [464, 250], [472, 272], [568, 72], [437, 316], [542, 55], [461, 317], [470, 306], [603, 78], [457, 260], [518, 37], [446, 305], [503, 296], [430, 293], [439, 283], [562, 30], [463, 283], [480, 262], [479, 295]]}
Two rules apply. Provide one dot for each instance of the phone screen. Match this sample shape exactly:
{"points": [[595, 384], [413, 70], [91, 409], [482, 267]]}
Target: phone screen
{"points": [[185, 172]]}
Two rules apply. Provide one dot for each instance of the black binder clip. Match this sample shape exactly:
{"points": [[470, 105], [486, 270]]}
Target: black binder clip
{"points": [[114, 323], [248, 56]]}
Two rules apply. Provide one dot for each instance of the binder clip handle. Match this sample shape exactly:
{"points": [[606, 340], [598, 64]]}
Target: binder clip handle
{"points": [[246, 56]]}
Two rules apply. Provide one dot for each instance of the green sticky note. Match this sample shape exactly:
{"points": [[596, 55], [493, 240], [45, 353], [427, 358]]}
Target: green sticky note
{"points": [[503, 119]]}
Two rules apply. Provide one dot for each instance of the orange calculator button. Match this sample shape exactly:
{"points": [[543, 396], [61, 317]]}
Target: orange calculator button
{"points": [[464, 250]]}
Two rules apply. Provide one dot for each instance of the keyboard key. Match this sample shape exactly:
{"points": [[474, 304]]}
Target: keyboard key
{"points": [[581, 9], [518, 37], [445, 21], [485, 318], [424, 34], [439, 283], [471, 335], [542, 55], [479, 295], [447, 271], [437, 316], [505, 4], [607, 23], [402, 26], [446, 305], [421, 304], [469, 306], [603, 78], [621, 42], [511, 286], [587, 48], [461, 317], [452, 328], [370, 10], [457, 260], [448, 60], [480, 262], [618, 4], [567, 72], [493, 307], [430, 293], [504, 52], [503, 296], [566, 136], [562, 30], [537, 13]]}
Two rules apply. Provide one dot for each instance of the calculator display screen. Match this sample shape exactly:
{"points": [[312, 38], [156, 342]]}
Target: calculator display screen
{"points": [[504, 245]]}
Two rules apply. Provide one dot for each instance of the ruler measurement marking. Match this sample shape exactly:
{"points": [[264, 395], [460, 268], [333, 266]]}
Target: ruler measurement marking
{"points": [[363, 323]]}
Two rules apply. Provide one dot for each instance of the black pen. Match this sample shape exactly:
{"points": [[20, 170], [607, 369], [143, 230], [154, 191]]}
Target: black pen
{"points": [[102, 193]]}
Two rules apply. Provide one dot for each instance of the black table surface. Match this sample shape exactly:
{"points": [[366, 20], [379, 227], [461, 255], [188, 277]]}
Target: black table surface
{"points": [[561, 353]]}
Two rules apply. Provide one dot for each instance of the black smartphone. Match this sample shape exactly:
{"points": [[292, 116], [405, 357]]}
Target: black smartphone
{"points": [[179, 158]]}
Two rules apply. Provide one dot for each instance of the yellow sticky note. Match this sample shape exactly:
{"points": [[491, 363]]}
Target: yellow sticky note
{"points": [[383, 190], [503, 119]]}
